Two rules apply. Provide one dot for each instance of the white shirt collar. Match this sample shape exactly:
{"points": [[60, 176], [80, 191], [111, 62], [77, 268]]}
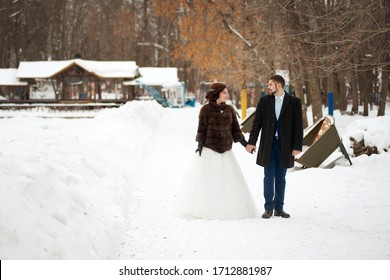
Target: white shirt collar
{"points": [[280, 97]]}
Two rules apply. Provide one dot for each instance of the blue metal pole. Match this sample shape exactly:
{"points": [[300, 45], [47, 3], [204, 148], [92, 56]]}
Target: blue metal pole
{"points": [[330, 103]]}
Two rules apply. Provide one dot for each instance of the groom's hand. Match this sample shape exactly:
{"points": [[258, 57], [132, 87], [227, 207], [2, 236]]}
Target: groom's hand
{"points": [[250, 148], [295, 152]]}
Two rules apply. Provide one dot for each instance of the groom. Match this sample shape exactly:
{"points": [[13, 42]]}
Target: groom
{"points": [[279, 116]]}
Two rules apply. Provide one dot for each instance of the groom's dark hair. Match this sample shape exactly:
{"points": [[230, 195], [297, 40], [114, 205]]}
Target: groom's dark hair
{"points": [[278, 79]]}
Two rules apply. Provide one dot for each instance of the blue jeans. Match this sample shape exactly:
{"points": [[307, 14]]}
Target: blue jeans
{"points": [[274, 180]]}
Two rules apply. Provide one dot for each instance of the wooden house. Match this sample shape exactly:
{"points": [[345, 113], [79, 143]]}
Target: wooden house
{"points": [[77, 79]]}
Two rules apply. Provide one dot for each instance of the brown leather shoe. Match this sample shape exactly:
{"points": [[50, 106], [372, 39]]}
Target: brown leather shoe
{"points": [[281, 213], [267, 214]]}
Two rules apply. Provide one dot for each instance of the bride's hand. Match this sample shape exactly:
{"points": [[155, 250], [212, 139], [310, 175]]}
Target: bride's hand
{"points": [[250, 148]]}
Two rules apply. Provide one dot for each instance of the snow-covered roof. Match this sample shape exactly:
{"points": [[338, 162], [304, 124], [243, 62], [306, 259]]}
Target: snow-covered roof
{"points": [[110, 69], [41, 69], [102, 69], [155, 76], [8, 77]]}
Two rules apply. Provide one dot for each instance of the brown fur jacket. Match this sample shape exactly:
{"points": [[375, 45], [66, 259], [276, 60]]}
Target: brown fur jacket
{"points": [[218, 127]]}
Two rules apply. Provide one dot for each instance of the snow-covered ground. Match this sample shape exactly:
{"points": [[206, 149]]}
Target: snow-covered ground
{"points": [[102, 188]]}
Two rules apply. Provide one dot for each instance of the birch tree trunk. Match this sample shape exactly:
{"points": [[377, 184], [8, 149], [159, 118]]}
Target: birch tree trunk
{"points": [[342, 95], [384, 91], [315, 97]]}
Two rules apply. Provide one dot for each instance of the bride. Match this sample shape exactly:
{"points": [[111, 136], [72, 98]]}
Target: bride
{"points": [[214, 187]]}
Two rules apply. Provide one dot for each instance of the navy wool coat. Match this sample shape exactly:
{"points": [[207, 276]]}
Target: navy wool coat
{"points": [[291, 129]]}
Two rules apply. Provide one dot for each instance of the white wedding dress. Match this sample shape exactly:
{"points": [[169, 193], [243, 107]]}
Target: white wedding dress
{"points": [[214, 188]]}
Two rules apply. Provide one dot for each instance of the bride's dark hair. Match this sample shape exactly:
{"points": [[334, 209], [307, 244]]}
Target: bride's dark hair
{"points": [[214, 91]]}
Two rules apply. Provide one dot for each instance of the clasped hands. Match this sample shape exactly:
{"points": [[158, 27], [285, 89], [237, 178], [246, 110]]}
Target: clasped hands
{"points": [[252, 149]]}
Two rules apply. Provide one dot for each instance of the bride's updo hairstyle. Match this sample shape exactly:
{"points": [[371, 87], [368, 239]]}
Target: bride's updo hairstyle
{"points": [[214, 91]]}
